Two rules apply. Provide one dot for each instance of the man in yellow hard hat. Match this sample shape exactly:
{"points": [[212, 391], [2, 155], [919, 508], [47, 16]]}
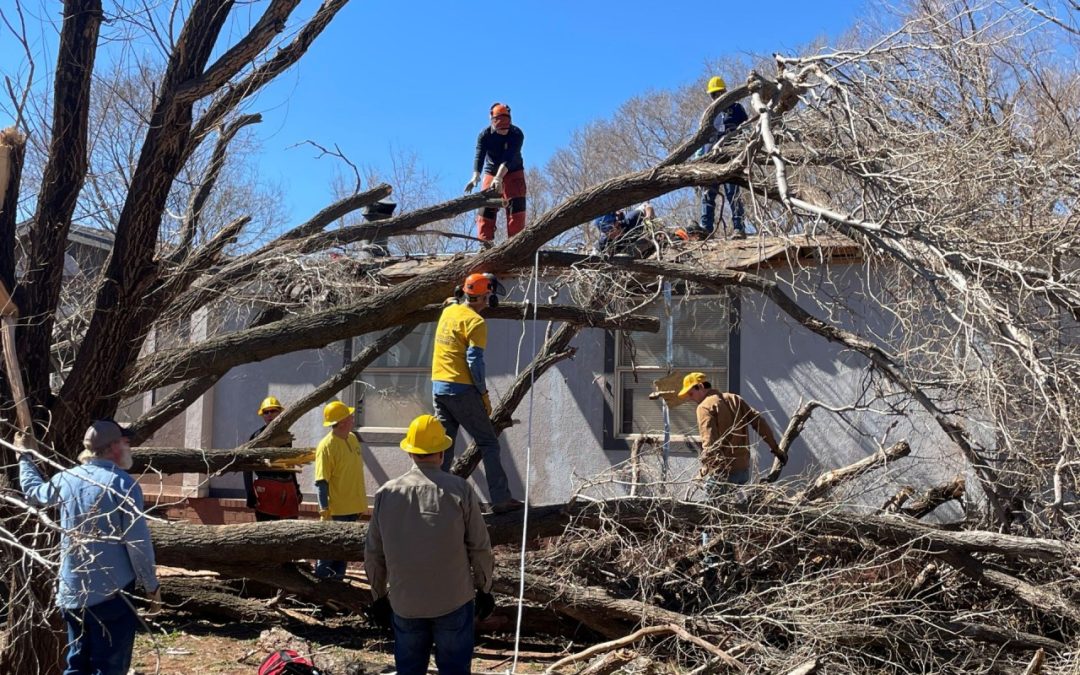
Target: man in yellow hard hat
{"points": [[275, 495], [723, 419], [458, 383], [428, 558], [339, 476], [726, 121]]}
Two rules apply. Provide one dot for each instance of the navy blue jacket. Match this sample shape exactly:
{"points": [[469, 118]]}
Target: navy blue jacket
{"points": [[499, 149], [724, 123]]}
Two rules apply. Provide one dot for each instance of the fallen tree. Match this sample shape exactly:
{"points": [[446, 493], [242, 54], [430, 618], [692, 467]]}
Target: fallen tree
{"points": [[765, 552], [930, 148]]}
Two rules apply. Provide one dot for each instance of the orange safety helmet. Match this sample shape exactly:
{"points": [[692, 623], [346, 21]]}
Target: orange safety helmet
{"points": [[479, 283], [500, 115]]}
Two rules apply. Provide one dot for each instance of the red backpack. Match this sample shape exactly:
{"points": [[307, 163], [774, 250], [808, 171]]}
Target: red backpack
{"points": [[287, 662]]}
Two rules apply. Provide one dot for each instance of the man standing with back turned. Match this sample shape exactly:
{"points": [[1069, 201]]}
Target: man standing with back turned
{"points": [[105, 549], [427, 555]]}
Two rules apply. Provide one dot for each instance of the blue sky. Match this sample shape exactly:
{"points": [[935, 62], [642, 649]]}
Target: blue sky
{"points": [[419, 76]]}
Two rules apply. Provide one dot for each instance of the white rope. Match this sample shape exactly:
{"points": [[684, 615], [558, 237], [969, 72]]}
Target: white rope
{"points": [[528, 467]]}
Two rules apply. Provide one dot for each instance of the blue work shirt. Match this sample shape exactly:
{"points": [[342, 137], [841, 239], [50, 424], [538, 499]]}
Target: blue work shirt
{"points": [[726, 121], [106, 541]]}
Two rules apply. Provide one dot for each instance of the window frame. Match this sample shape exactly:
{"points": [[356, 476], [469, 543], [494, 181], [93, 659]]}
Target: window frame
{"points": [[357, 385], [618, 371]]}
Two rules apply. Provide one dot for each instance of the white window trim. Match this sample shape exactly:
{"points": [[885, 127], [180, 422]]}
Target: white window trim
{"points": [[651, 373], [404, 370]]}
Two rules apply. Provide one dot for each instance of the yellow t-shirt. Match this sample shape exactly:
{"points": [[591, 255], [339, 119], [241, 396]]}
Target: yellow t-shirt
{"points": [[339, 462], [459, 328]]}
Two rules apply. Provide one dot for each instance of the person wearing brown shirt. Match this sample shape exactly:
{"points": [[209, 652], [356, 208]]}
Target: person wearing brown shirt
{"points": [[723, 421]]}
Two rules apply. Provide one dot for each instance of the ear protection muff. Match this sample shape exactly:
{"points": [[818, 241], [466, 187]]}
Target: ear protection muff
{"points": [[459, 292], [496, 289]]}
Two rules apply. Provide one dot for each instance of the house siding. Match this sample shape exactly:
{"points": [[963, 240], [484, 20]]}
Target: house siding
{"points": [[778, 365]]}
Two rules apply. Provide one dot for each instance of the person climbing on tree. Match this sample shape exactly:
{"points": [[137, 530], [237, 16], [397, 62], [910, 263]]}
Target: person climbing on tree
{"points": [[498, 156], [725, 122]]}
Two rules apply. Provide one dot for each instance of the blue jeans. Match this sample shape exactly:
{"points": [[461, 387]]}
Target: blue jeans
{"points": [[708, 207], [334, 569], [452, 635], [101, 637], [467, 410], [716, 487]]}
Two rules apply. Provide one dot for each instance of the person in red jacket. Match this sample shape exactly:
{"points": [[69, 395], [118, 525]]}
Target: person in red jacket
{"points": [[498, 154]]}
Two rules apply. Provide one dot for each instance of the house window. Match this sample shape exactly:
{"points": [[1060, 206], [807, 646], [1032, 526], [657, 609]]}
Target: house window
{"points": [[700, 343], [396, 387]]}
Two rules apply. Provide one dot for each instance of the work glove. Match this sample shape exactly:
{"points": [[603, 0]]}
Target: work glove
{"points": [[486, 398], [472, 183], [380, 613], [781, 459], [24, 446], [324, 514], [485, 605], [496, 184]]}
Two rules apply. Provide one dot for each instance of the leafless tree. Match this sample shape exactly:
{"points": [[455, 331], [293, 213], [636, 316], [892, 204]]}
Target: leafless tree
{"points": [[943, 145]]}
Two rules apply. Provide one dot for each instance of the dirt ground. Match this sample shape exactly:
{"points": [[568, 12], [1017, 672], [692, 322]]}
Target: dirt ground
{"points": [[182, 647]]}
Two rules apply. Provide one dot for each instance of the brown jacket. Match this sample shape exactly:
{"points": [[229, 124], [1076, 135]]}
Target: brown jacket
{"points": [[723, 419]]}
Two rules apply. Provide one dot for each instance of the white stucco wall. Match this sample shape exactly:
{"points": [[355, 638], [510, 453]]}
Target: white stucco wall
{"points": [[780, 365]]}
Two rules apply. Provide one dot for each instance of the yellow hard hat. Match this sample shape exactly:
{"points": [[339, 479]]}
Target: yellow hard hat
{"points": [[334, 412], [690, 381], [716, 84], [270, 403], [426, 436]]}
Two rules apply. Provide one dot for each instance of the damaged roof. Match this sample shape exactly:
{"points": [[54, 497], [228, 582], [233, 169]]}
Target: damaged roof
{"points": [[733, 254]]}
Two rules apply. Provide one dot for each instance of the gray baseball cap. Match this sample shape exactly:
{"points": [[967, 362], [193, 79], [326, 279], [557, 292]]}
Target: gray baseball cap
{"points": [[103, 432]]}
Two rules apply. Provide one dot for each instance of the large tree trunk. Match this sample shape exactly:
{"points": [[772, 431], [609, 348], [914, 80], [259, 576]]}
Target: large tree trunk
{"points": [[214, 546], [34, 641], [123, 310], [195, 460], [12, 154], [393, 306], [38, 292]]}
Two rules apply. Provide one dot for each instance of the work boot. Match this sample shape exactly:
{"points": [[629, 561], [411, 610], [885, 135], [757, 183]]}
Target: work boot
{"points": [[738, 234], [486, 244], [507, 506]]}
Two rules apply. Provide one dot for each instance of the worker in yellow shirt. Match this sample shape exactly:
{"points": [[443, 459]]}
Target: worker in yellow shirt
{"points": [[458, 385], [339, 477]]}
